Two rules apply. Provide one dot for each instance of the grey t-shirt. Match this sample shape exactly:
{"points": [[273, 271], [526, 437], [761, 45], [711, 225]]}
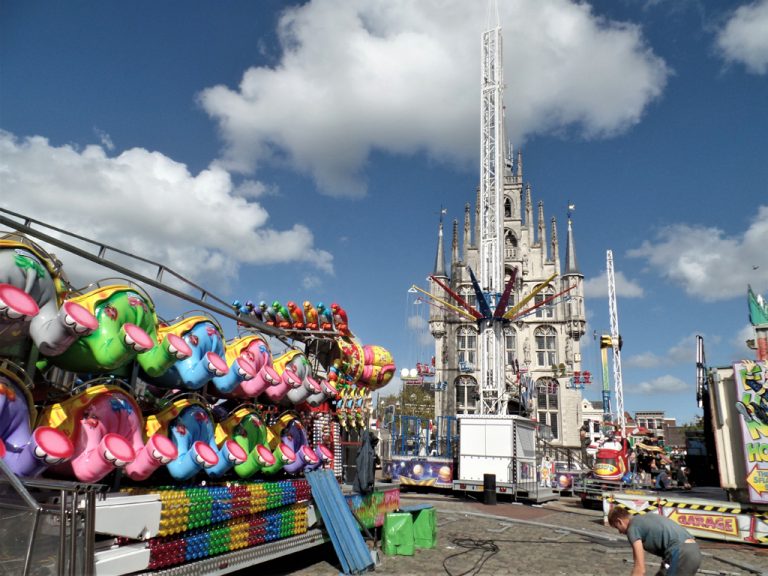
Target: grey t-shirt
{"points": [[660, 535]]}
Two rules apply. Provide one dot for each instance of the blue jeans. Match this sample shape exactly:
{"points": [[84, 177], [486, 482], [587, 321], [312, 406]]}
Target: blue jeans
{"points": [[683, 560]]}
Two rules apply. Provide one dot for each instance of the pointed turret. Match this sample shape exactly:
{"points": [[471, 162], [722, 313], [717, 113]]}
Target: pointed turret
{"points": [[575, 319], [542, 239], [455, 247], [519, 167], [553, 232], [467, 231], [570, 251], [440, 258], [528, 208]]}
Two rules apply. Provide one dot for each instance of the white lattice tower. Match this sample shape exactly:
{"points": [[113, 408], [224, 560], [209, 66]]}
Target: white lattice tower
{"points": [[617, 382], [491, 227]]}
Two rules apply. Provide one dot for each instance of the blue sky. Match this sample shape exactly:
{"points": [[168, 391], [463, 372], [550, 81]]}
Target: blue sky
{"points": [[293, 151]]}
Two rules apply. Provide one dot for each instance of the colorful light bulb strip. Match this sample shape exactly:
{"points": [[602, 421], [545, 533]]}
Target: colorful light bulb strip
{"points": [[233, 534], [184, 509]]}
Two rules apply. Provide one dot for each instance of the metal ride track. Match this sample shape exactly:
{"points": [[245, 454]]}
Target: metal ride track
{"points": [[205, 300]]}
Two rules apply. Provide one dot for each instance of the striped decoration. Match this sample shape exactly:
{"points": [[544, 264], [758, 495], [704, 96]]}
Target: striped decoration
{"points": [[184, 509], [233, 534]]}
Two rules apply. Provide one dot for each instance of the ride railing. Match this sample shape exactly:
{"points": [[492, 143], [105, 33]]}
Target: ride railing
{"points": [[571, 458], [46, 526], [525, 477]]}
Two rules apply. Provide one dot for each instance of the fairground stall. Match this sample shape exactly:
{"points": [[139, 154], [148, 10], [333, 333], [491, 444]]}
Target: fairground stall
{"points": [[136, 443], [735, 407]]}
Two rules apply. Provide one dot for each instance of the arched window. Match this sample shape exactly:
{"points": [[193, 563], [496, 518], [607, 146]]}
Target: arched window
{"points": [[466, 349], [547, 310], [510, 246], [507, 208], [548, 403], [466, 395], [512, 294], [546, 345], [468, 294], [510, 345]]}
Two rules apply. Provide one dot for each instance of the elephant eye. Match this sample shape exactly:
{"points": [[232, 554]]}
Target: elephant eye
{"points": [[194, 340], [111, 311]]}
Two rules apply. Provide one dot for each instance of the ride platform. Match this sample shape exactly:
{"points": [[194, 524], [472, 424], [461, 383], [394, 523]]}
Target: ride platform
{"points": [[705, 514]]}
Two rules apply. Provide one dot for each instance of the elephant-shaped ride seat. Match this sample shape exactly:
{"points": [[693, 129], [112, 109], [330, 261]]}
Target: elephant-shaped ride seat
{"points": [[289, 430], [327, 392], [106, 427], [33, 304], [295, 378], [26, 450], [188, 422], [207, 362], [128, 330], [255, 349], [247, 427]]}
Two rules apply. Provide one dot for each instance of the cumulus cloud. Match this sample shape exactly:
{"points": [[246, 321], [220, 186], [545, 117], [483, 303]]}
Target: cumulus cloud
{"points": [[643, 360], [597, 287], [706, 262], [744, 37], [147, 204], [666, 384], [738, 343], [683, 352], [419, 328], [402, 77]]}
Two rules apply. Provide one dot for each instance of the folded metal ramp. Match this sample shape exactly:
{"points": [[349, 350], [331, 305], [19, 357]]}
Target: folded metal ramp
{"points": [[340, 523]]}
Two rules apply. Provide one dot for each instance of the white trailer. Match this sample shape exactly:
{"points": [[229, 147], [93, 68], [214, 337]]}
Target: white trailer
{"points": [[502, 446]]}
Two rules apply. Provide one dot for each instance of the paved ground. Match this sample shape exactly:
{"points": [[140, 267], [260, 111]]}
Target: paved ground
{"points": [[559, 538]]}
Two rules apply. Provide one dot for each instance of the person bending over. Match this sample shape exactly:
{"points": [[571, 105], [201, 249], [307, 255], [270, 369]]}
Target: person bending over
{"points": [[660, 536]]}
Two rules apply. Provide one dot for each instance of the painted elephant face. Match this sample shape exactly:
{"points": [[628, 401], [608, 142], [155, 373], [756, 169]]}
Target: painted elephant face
{"points": [[258, 352], [296, 370], [126, 328], [25, 450], [29, 303], [205, 362]]}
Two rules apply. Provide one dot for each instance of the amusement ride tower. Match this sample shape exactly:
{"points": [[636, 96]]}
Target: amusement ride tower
{"points": [[492, 387], [506, 331]]}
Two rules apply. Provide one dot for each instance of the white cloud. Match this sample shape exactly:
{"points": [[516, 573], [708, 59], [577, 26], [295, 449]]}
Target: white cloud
{"points": [[149, 205], [738, 343], [104, 138], [419, 328], [666, 384], [684, 352], [597, 287], [252, 189], [643, 360], [744, 37], [402, 77], [310, 282], [706, 262]]}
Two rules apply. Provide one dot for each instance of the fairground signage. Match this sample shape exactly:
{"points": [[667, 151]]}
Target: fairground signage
{"points": [[716, 523], [752, 390]]}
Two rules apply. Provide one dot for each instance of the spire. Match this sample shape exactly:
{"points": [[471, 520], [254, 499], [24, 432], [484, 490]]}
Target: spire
{"points": [[455, 245], [440, 259], [528, 207], [554, 239], [519, 170], [570, 251], [467, 231], [542, 239]]}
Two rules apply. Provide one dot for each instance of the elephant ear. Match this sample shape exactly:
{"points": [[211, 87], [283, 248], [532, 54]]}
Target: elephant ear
{"points": [[21, 382]]}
